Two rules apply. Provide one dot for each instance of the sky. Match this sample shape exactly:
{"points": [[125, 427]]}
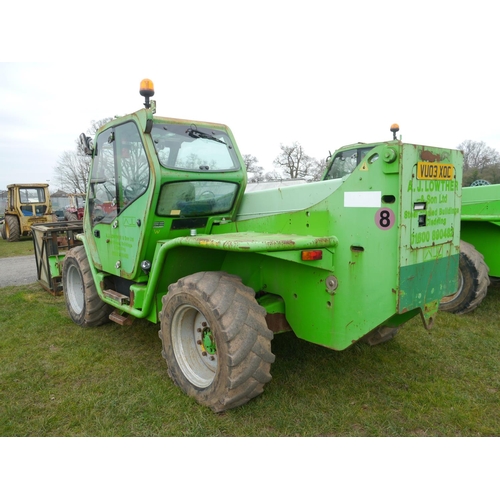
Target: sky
{"points": [[325, 74]]}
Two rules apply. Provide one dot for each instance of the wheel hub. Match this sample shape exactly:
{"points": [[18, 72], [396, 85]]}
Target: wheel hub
{"points": [[194, 345], [208, 341]]}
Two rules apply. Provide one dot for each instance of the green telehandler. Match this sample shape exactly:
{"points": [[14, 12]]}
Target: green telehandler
{"points": [[170, 236]]}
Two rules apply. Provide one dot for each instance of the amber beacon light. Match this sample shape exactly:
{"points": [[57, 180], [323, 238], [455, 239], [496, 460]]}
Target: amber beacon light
{"points": [[394, 130], [147, 90]]}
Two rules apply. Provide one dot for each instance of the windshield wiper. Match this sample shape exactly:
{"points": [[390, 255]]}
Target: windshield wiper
{"points": [[196, 134]]}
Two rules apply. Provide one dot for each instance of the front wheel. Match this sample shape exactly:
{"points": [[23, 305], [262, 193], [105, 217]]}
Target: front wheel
{"points": [[84, 305], [473, 282], [12, 228], [215, 340]]}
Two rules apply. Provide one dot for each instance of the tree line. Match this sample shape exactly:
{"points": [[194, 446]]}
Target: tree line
{"points": [[481, 164], [291, 163]]}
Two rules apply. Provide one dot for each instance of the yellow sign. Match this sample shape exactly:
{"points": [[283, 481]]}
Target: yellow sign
{"points": [[427, 171]]}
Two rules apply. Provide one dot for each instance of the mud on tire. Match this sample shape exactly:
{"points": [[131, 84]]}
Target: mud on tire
{"points": [[473, 282], [215, 340], [84, 305]]}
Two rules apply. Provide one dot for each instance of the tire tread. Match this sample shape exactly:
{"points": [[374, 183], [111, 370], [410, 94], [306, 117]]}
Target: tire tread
{"points": [[243, 329], [96, 312], [474, 272]]}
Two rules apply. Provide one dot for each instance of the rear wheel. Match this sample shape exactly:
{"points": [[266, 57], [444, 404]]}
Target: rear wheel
{"points": [[70, 216], [215, 340], [473, 281], [3, 232], [12, 228], [84, 305]]}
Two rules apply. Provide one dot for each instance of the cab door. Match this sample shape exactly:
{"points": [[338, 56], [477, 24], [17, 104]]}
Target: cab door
{"points": [[118, 199]]}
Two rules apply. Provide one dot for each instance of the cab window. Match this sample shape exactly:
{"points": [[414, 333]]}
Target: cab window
{"points": [[345, 162], [196, 198], [196, 148], [120, 174]]}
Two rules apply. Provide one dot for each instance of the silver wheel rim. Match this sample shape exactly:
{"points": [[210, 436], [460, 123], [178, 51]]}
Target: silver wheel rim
{"points": [[189, 328], [450, 298], [74, 289]]}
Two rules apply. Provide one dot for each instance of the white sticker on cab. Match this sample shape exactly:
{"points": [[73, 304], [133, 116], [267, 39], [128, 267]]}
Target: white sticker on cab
{"points": [[363, 199]]}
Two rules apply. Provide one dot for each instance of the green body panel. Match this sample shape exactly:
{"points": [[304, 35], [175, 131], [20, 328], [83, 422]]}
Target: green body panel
{"points": [[430, 230], [481, 223], [381, 263], [55, 265], [434, 278]]}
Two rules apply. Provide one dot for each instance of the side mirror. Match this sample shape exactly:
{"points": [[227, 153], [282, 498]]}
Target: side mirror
{"points": [[86, 143]]}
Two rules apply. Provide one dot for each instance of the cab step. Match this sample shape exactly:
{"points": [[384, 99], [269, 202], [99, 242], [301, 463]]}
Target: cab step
{"points": [[119, 318], [116, 297]]}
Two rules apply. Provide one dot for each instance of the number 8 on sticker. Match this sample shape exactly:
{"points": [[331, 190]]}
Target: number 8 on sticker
{"points": [[385, 218]]}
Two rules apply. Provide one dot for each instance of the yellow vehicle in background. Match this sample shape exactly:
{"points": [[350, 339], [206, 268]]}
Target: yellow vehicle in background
{"points": [[27, 204]]}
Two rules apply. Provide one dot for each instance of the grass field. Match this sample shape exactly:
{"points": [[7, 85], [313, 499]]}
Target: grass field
{"points": [[16, 248], [57, 379]]}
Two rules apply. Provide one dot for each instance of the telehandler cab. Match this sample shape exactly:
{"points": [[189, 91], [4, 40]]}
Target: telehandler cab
{"points": [[171, 236]]}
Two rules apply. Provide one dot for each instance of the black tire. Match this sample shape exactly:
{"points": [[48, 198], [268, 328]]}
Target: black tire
{"points": [[473, 282], [3, 231], [70, 216], [12, 228], [215, 340], [84, 305], [380, 335]]}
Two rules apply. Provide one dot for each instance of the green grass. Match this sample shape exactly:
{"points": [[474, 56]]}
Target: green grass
{"points": [[16, 248], [57, 379]]}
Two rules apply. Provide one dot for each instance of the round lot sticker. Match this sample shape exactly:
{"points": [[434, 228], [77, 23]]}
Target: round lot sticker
{"points": [[385, 218]]}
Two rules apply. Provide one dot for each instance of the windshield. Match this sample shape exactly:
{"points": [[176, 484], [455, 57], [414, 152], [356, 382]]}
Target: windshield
{"points": [[189, 147], [346, 161], [32, 195], [196, 198]]}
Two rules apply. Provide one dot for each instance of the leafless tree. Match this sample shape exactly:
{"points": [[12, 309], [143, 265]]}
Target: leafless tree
{"points": [[292, 160], [318, 169], [256, 172], [73, 167], [478, 155], [481, 162], [296, 164], [274, 175]]}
